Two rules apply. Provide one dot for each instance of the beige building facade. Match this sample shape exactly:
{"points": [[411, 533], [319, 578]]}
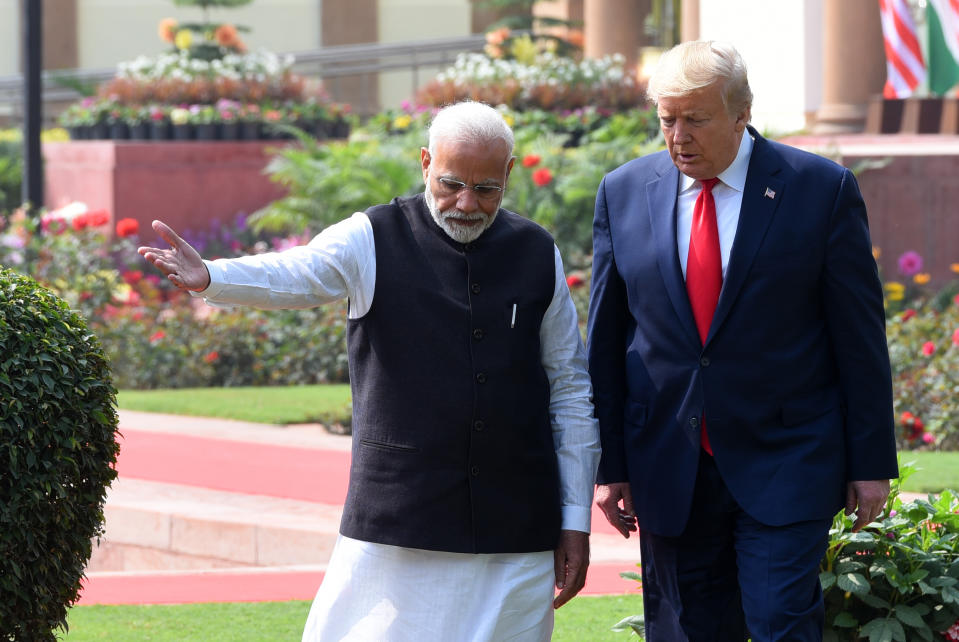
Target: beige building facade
{"points": [[814, 64]]}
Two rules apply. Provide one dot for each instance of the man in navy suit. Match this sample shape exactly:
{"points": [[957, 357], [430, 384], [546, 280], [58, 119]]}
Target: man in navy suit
{"points": [[738, 356]]}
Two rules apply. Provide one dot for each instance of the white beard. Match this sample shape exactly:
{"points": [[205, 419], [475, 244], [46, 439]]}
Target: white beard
{"points": [[448, 223]]}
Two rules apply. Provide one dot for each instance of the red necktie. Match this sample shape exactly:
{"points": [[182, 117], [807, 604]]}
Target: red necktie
{"points": [[704, 269]]}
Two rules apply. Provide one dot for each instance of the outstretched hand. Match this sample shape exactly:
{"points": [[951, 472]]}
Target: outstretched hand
{"points": [[181, 263]]}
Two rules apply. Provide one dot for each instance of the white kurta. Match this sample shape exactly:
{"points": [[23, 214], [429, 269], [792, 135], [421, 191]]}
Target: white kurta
{"points": [[379, 592]]}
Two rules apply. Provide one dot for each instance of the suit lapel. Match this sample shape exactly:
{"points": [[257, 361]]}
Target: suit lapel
{"points": [[661, 205], [761, 197]]}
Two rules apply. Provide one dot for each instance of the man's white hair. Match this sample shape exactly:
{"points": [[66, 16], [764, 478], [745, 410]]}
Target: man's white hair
{"points": [[699, 63], [470, 122]]}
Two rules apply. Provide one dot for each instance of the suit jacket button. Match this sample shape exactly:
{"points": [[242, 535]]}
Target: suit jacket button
{"points": [[704, 362], [475, 288], [478, 425], [481, 377], [694, 421], [477, 334], [474, 471]]}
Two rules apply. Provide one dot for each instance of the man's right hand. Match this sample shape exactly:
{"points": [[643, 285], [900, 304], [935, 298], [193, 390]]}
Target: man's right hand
{"points": [[608, 497], [181, 263]]}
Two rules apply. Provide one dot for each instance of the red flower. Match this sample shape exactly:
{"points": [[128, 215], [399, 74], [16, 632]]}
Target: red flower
{"points": [[908, 314], [132, 276], [955, 299], [955, 338], [79, 222], [531, 160], [906, 418], [211, 356], [542, 177], [156, 336], [928, 348], [127, 227], [575, 281], [97, 218]]}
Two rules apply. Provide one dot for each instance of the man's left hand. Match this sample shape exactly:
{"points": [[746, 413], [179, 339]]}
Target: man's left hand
{"points": [[571, 559], [866, 499]]}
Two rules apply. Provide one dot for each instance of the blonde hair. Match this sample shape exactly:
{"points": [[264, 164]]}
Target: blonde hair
{"points": [[469, 121], [699, 63]]}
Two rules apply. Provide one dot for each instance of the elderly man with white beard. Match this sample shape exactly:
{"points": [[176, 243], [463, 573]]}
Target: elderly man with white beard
{"points": [[474, 444]]}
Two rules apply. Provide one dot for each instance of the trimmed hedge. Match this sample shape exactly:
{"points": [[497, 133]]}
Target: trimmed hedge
{"points": [[58, 448]]}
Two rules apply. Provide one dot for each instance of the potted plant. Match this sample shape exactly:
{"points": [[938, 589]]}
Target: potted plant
{"points": [[180, 120], [116, 120], [136, 117], [203, 118], [228, 112], [251, 120], [159, 118]]}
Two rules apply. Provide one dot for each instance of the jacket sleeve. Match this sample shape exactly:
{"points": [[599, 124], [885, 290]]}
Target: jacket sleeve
{"points": [[606, 345], [855, 321]]}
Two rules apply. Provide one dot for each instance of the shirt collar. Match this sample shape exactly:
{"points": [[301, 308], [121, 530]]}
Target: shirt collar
{"points": [[735, 175]]}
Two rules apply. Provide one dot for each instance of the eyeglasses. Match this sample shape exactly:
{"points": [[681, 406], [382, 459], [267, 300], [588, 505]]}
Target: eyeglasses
{"points": [[483, 191]]}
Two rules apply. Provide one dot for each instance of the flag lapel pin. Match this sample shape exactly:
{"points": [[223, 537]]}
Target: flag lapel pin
{"points": [[769, 193]]}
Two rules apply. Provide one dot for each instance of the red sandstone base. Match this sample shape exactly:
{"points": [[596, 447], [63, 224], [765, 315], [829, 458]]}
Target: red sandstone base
{"points": [[186, 184]]}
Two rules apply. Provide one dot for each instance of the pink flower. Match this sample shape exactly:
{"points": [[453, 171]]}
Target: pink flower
{"points": [[952, 634], [955, 338], [910, 263], [928, 348], [156, 336], [928, 438]]}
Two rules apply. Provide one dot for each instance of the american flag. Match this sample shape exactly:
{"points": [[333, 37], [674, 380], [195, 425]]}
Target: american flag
{"points": [[905, 68]]}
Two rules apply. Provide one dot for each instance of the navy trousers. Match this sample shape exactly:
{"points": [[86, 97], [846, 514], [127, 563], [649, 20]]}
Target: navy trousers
{"points": [[728, 577]]}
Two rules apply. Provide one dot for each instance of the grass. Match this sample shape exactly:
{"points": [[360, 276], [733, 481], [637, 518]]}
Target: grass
{"points": [[324, 404], [585, 618], [329, 404]]}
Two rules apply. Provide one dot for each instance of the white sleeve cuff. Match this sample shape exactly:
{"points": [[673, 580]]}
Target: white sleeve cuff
{"points": [[576, 518]]}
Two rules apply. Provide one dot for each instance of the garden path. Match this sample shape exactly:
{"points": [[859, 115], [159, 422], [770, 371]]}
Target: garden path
{"points": [[208, 510]]}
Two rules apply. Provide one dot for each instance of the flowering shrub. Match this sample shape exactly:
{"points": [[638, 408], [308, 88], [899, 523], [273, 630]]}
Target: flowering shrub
{"points": [[547, 82]]}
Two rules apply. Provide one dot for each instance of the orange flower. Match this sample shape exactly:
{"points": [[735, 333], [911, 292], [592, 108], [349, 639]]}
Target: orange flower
{"points": [[876, 252], [226, 35], [211, 356], [954, 267], [167, 30], [576, 38], [922, 278], [497, 36]]}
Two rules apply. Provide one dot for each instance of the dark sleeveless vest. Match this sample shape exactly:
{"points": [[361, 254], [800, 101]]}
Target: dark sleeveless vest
{"points": [[452, 442]]}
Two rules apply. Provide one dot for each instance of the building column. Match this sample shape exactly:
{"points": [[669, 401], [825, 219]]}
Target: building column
{"points": [[853, 64], [352, 22], [613, 27], [689, 21]]}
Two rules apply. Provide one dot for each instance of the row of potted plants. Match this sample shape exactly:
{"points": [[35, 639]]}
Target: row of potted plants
{"points": [[226, 119]]}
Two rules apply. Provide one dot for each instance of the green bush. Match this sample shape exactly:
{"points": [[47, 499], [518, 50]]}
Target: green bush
{"points": [[897, 579], [57, 454], [11, 169]]}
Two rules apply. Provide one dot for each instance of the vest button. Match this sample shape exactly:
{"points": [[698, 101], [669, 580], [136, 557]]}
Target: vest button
{"points": [[478, 425], [694, 421], [478, 334], [704, 362], [467, 247], [474, 471], [481, 377], [475, 288]]}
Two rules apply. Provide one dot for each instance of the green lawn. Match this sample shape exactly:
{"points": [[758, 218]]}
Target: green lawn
{"points": [[331, 404], [267, 405], [585, 618]]}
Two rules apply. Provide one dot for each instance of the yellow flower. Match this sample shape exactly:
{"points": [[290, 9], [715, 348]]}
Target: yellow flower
{"points": [[895, 291], [183, 39], [524, 50], [922, 278], [954, 267], [509, 119], [876, 252], [402, 122]]}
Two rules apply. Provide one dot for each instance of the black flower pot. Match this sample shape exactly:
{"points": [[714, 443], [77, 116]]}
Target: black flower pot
{"points": [[230, 131], [119, 131], [78, 132], [183, 131], [139, 131], [321, 129], [100, 131], [206, 131], [341, 129], [250, 131], [160, 130]]}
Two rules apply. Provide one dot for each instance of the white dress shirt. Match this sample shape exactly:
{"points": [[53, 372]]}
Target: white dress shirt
{"points": [[728, 194]]}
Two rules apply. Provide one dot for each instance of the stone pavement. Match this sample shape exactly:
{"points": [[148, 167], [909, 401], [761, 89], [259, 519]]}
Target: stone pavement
{"points": [[208, 510]]}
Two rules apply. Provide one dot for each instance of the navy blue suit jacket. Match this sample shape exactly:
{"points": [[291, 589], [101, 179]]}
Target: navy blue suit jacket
{"points": [[794, 377]]}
